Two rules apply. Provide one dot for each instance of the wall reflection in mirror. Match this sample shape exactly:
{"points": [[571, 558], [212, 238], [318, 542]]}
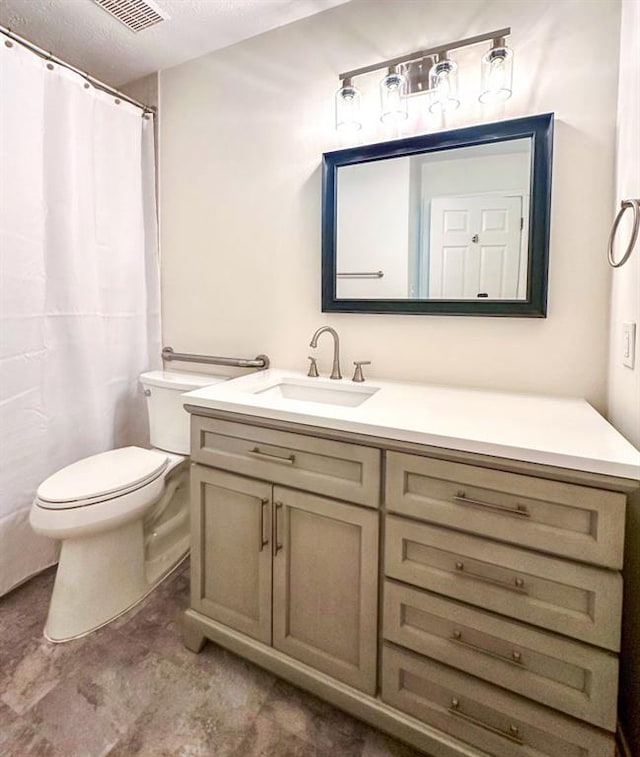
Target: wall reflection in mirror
{"points": [[443, 225], [450, 222]]}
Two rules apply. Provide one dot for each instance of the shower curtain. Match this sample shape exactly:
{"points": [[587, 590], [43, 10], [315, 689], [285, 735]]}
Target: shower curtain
{"points": [[79, 285]]}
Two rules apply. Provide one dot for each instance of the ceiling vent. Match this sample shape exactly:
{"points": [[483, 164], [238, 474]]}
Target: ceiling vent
{"points": [[136, 15]]}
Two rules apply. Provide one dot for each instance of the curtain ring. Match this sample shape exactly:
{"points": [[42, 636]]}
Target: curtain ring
{"points": [[635, 204]]}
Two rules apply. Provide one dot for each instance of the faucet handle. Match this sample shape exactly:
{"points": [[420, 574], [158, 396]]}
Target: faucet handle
{"points": [[313, 367], [358, 376]]}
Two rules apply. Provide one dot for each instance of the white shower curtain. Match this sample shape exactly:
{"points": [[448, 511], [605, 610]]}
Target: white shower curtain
{"points": [[79, 285]]}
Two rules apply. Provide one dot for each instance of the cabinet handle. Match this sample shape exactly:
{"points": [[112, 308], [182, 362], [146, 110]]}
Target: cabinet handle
{"points": [[520, 511], [288, 460], [515, 659], [517, 585], [276, 541], [513, 734], [263, 540]]}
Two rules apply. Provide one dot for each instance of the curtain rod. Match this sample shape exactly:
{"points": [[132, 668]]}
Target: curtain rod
{"points": [[54, 59]]}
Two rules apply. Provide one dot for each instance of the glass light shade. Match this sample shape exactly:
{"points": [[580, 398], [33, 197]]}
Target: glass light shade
{"points": [[443, 83], [497, 75], [348, 108], [393, 102]]}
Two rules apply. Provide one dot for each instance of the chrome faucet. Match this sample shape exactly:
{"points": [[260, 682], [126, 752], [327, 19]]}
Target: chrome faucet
{"points": [[335, 369]]}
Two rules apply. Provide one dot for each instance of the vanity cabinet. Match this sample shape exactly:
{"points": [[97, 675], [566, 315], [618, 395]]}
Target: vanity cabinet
{"points": [[477, 577], [289, 568], [498, 629]]}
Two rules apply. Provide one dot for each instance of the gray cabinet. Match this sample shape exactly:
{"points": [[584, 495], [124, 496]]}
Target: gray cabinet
{"points": [[493, 596], [500, 622], [291, 569]]}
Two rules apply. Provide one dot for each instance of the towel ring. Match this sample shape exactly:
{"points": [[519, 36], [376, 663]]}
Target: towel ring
{"points": [[635, 204]]}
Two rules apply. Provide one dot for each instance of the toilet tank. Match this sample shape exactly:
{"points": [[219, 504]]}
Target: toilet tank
{"points": [[168, 420]]}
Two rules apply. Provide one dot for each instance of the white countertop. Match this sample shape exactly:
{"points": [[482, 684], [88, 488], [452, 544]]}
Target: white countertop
{"points": [[558, 431]]}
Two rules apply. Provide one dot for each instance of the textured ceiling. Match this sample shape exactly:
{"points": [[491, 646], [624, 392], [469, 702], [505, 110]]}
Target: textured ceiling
{"points": [[82, 33]]}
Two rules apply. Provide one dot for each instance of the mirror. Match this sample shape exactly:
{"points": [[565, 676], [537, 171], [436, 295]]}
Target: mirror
{"points": [[449, 223]]}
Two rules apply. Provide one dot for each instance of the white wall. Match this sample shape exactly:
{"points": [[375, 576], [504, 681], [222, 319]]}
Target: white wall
{"points": [[624, 383], [242, 133], [477, 175], [145, 90]]}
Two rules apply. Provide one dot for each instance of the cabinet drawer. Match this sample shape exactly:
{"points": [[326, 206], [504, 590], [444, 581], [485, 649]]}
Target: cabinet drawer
{"points": [[335, 469], [564, 674], [492, 720], [566, 519], [572, 599]]}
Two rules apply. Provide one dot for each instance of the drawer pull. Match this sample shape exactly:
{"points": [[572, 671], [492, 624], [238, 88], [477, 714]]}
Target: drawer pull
{"points": [[517, 586], [513, 734], [514, 659], [276, 541], [264, 540], [521, 510], [288, 460]]}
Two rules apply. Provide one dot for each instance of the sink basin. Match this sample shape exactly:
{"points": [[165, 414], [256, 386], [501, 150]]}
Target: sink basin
{"points": [[349, 395]]}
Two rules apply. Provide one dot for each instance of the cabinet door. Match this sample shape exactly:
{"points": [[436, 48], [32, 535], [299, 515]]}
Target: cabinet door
{"points": [[325, 585], [231, 550]]}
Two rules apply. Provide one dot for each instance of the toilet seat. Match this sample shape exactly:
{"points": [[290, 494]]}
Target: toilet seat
{"points": [[101, 477]]}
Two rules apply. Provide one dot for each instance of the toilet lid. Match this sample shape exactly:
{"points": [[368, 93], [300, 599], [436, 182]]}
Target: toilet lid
{"points": [[101, 476]]}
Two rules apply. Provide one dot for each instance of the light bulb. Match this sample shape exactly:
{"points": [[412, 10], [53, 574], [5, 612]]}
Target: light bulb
{"points": [[443, 83], [348, 107], [497, 73], [393, 90]]}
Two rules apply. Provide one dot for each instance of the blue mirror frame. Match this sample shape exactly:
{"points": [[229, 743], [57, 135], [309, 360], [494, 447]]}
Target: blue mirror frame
{"points": [[539, 129]]}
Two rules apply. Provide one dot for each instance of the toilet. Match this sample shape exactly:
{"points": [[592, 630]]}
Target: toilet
{"points": [[122, 516]]}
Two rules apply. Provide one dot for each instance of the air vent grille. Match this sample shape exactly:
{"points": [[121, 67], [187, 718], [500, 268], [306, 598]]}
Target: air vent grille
{"points": [[136, 15]]}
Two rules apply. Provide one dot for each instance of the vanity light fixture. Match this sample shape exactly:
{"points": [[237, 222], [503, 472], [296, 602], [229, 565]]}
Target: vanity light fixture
{"points": [[443, 84], [429, 72], [348, 107], [497, 73], [393, 96]]}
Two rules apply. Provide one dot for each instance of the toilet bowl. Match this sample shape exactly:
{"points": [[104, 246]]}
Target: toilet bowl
{"points": [[122, 516]]}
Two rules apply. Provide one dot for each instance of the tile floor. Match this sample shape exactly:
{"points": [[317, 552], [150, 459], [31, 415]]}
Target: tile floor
{"points": [[132, 688]]}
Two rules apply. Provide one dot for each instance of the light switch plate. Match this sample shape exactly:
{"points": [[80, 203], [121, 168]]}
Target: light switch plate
{"points": [[628, 344]]}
